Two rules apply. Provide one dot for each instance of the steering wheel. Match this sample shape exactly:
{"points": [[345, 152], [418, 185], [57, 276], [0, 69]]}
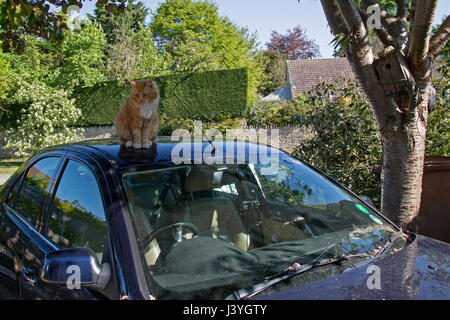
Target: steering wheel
{"points": [[178, 235]]}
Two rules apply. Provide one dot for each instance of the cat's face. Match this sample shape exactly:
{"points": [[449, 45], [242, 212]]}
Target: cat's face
{"points": [[144, 91]]}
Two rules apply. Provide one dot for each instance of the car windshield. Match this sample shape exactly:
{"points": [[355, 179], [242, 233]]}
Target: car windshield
{"points": [[205, 231]]}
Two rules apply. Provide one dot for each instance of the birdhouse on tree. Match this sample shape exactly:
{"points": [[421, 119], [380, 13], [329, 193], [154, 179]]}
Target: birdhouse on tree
{"points": [[394, 74]]}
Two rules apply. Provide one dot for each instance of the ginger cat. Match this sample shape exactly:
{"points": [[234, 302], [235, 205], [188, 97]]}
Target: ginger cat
{"points": [[137, 121]]}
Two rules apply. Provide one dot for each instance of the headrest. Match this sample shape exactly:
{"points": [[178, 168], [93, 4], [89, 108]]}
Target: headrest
{"points": [[206, 178]]}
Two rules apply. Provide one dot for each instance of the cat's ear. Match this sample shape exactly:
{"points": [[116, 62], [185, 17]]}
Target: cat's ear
{"points": [[133, 83]]}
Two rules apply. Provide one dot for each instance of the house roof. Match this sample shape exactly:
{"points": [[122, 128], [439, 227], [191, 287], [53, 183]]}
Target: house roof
{"points": [[282, 94], [304, 75]]}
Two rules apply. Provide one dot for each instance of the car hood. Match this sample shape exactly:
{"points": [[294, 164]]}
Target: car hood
{"points": [[418, 271]]}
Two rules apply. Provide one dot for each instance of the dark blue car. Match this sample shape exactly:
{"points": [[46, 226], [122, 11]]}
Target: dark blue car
{"points": [[93, 220]]}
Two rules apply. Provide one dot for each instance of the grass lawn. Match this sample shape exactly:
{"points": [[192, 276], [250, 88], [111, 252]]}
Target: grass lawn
{"points": [[8, 166]]}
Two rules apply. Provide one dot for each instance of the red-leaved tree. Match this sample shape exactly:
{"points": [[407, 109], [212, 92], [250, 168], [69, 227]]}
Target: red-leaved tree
{"points": [[294, 44]]}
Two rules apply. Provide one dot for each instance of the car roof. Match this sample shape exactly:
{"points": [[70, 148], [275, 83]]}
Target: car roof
{"points": [[193, 149]]}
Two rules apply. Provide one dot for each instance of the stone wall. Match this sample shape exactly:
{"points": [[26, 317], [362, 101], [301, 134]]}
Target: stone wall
{"points": [[289, 136], [102, 132]]}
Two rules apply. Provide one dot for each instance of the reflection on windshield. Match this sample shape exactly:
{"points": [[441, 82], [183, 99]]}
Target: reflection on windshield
{"points": [[208, 230]]}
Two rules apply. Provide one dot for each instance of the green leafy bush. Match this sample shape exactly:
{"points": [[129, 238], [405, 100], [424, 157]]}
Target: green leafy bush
{"points": [[204, 96], [83, 53], [278, 113], [346, 142], [5, 77], [224, 123], [46, 120], [169, 124], [438, 126]]}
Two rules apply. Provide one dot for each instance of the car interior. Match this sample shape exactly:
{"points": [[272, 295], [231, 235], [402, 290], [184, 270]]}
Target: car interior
{"points": [[218, 201]]}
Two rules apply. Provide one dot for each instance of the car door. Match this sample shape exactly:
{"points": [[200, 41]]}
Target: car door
{"points": [[21, 221], [9, 288], [76, 218]]}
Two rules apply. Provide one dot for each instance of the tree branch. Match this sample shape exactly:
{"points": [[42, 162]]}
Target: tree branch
{"points": [[402, 9], [395, 27], [412, 11], [356, 25], [440, 38], [386, 18], [343, 16], [335, 20], [420, 37], [382, 34]]}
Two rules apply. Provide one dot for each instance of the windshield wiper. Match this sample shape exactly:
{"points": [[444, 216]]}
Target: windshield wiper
{"points": [[389, 243], [292, 271], [297, 269]]}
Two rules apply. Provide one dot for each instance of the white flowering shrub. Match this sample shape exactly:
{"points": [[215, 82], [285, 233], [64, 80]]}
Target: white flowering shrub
{"points": [[46, 119]]}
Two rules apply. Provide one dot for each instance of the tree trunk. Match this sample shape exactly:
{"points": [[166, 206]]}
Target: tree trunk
{"points": [[400, 114], [403, 160]]}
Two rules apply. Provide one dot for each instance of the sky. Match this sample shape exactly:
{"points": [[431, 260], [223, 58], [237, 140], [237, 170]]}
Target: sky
{"points": [[264, 16]]}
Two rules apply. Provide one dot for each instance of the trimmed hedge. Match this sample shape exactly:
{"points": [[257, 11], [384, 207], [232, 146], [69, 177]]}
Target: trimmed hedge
{"points": [[204, 96]]}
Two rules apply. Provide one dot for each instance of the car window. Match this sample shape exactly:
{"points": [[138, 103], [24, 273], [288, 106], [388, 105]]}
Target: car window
{"points": [[77, 216], [205, 230], [30, 198], [294, 184]]}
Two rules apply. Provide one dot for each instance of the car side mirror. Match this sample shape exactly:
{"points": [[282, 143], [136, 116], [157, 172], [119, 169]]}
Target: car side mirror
{"points": [[367, 200], [75, 268]]}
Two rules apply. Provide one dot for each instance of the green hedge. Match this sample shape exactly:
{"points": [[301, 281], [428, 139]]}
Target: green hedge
{"points": [[204, 96]]}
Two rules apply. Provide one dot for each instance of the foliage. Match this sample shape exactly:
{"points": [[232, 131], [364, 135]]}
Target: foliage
{"points": [[195, 37], [36, 64], [443, 59], [83, 55], [346, 142], [275, 72], [100, 103], [225, 122], [177, 21], [204, 96], [294, 44], [193, 55], [438, 126], [46, 120], [37, 18], [77, 60], [133, 55], [168, 124], [341, 41], [5, 78], [279, 113], [377, 46], [133, 16]]}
